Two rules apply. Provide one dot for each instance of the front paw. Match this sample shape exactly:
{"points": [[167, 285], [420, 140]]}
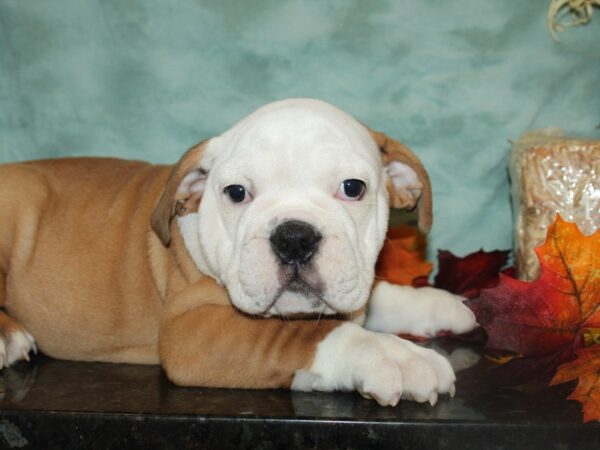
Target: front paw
{"points": [[380, 366], [418, 311], [400, 369], [449, 312]]}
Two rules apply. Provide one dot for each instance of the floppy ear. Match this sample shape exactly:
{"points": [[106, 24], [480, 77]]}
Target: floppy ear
{"points": [[182, 192], [408, 183]]}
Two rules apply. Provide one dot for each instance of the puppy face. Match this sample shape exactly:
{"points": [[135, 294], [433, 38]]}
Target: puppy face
{"points": [[294, 209]]}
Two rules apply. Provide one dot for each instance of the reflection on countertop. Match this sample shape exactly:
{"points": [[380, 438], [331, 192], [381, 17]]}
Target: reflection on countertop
{"points": [[64, 391]]}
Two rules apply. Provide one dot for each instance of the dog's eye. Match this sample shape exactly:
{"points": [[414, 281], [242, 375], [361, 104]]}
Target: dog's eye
{"points": [[351, 189], [237, 193]]}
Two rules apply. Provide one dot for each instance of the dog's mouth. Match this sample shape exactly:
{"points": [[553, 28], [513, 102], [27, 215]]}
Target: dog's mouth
{"points": [[303, 280]]}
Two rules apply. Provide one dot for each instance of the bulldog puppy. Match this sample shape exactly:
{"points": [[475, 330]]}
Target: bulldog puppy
{"points": [[249, 264]]}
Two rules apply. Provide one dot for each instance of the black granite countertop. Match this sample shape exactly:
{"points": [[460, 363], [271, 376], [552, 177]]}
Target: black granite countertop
{"points": [[61, 404]]}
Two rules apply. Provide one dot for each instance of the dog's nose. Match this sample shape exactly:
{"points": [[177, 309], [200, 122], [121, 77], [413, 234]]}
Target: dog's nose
{"points": [[294, 242]]}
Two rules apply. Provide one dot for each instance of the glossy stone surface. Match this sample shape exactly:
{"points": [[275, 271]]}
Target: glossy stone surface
{"points": [[61, 404]]}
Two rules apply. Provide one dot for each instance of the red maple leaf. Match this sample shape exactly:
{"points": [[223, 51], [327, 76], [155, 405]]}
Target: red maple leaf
{"points": [[547, 318], [468, 275]]}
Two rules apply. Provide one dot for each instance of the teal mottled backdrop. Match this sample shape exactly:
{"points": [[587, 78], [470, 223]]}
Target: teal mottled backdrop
{"points": [[455, 80]]}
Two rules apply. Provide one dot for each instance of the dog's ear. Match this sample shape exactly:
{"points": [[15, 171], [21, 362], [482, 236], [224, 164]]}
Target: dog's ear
{"points": [[408, 183], [182, 192]]}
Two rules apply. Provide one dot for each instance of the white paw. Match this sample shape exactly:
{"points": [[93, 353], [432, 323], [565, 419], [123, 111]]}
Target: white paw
{"points": [[15, 344], [380, 366], [418, 311]]}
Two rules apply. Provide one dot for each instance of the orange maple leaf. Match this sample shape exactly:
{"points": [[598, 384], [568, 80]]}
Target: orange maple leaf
{"points": [[574, 259], [587, 368], [551, 315], [402, 258], [536, 318]]}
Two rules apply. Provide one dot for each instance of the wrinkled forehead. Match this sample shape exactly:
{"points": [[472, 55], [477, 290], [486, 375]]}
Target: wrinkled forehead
{"points": [[296, 131]]}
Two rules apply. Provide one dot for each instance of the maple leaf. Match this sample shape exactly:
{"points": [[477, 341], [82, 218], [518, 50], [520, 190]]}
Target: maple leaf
{"points": [[545, 322], [402, 258], [586, 368], [468, 275], [536, 318]]}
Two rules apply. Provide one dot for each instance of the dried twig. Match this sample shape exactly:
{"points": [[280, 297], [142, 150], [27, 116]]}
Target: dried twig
{"points": [[582, 9]]}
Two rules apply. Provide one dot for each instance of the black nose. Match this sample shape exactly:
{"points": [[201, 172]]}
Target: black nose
{"points": [[294, 242]]}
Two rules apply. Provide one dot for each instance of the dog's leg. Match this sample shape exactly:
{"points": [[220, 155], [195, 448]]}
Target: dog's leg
{"points": [[217, 346], [15, 341], [418, 311]]}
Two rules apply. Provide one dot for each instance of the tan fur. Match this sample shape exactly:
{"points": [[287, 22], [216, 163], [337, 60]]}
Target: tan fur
{"points": [[92, 265], [87, 277], [74, 256]]}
